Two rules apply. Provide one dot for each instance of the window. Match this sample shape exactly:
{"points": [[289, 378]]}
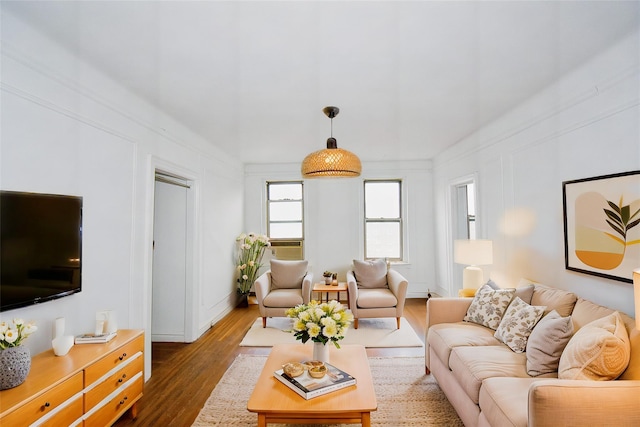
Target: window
{"points": [[284, 210], [383, 219]]}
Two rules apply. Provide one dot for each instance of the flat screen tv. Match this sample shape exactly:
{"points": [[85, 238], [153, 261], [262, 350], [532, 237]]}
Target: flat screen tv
{"points": [[40, 248]]}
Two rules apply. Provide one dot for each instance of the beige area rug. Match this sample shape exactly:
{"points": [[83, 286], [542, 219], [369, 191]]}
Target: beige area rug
{"points": [[370, 333], [406, 396]]}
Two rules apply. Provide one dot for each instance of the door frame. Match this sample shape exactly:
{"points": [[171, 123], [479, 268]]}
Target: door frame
{"points": [[192, 309], [455, 270]]}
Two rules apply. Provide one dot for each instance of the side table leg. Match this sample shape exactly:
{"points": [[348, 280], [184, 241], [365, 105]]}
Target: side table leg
{"points": [[262, 420], [366, 419]]}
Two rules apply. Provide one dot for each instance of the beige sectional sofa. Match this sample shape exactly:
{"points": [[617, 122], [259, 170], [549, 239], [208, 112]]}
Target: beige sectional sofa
{"points": [[489, 383]]}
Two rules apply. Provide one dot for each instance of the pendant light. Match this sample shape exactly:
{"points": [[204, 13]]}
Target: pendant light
{"points": [[331, 162]]}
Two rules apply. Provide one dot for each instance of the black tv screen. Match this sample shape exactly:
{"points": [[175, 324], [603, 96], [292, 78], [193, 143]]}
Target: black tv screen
{"points": [[40, 248]]}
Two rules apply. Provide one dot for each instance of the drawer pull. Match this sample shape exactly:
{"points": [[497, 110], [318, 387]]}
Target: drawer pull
{"points": [[123, 377], [123, 400], [123, 356], [45, 406]]}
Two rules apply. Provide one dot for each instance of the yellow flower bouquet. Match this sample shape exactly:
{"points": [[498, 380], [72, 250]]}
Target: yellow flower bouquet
{"points": [[320, 322]]}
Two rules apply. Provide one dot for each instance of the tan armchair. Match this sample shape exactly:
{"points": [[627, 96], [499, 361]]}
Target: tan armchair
{"points": [[375, 291], [285, 285]]}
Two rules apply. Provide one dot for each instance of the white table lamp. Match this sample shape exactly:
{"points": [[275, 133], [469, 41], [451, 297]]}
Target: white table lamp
{"points": [[636, 294], [472, 253]]}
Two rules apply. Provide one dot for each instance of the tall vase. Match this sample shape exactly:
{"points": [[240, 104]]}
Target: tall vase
{"points": [[15, 364], [321, 352]]}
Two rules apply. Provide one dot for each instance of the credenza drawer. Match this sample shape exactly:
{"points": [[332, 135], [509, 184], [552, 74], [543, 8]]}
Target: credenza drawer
{"points": [[101, 390], [72, 412], [46, 403], [113, 359], [115, 407]]}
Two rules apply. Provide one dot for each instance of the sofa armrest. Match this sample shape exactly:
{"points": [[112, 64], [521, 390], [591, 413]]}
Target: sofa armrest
{"points": [[353, 291], [443, 310], [557, 402], [446, 310], [307, 285], [262, 285], [398, 285]]}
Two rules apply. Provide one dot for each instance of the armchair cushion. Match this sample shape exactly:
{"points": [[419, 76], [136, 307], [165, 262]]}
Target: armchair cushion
{"points": [[286, 298], [287, 274], [370, 274], [376, 298]]}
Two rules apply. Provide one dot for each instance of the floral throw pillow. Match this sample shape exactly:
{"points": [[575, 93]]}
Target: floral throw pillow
{"points": [[517, 323], [488, 306]]}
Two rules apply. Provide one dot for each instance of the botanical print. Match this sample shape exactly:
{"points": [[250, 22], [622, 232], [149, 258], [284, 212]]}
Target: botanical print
{"points": [[602, 225]]}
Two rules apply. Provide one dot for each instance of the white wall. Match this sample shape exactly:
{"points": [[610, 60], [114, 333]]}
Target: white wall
{"points": [[334, 217], [68, 129], [587, 124]]}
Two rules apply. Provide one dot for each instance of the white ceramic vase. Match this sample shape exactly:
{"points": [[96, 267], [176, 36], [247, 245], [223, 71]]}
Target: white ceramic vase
{"points": [[321, 352]]}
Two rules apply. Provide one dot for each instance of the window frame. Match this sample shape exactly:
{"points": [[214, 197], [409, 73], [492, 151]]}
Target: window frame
{"points": [[399, 220], [268, 206]]}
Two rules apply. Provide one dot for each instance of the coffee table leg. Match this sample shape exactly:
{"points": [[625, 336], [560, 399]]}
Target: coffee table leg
{"points": [[366, 419], [262, 420]]}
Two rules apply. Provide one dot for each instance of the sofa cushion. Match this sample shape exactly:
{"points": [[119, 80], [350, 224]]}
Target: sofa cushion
{"points": [[504, 401], [488, 306], [471, 365], [444, 337], [371, 273], [376, 298], [600, 350], [586, 312], [283, 298], [524, 290], [546, 343], [554, 299], [517, 323]]}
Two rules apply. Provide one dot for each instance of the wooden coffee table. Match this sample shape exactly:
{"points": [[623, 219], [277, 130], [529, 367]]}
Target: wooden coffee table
{"points": [[323, 287], [276, 403]]}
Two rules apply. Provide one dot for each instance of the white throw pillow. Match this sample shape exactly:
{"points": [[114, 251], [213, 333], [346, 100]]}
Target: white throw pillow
{"points": [[517, 323], [488, 306], [600, 350]]}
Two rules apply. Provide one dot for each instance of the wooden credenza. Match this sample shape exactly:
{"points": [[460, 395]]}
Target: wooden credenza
{"points": [[93, 385]]}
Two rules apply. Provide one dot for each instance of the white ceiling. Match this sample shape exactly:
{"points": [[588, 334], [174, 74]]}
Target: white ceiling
{"points": [[410, 78]]}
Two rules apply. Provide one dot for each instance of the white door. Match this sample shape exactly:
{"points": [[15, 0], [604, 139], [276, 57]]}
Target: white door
{"points": [[169, 263]]}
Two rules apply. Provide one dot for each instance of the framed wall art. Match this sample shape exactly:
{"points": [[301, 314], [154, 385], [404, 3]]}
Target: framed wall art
{"points": [[602, 225]]}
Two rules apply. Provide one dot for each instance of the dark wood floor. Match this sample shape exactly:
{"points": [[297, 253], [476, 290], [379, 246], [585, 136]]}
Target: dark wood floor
{"points": [[183, 375]]}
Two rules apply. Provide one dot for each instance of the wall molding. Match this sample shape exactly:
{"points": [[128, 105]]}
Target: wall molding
{"points": [[9, 51], [599, 89]]}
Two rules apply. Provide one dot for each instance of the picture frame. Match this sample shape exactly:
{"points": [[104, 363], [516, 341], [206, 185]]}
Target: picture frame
{"points": [[602, 225]]}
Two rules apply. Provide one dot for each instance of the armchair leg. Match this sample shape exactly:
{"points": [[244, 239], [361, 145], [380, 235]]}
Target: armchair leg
{"points": [[264, 322], [355, 323], [427, 371], [398, 322]]}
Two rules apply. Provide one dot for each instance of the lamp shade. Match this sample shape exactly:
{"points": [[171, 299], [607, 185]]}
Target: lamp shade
{"points": [[636, 294], [331, 162], [473, 252]]}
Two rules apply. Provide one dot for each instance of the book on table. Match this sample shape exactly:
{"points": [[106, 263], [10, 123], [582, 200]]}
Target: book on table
{"points": [[95, 339], [308, 387]]}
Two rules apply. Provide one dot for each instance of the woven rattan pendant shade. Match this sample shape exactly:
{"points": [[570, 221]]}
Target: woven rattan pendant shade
{"points": [[331, 162]]}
